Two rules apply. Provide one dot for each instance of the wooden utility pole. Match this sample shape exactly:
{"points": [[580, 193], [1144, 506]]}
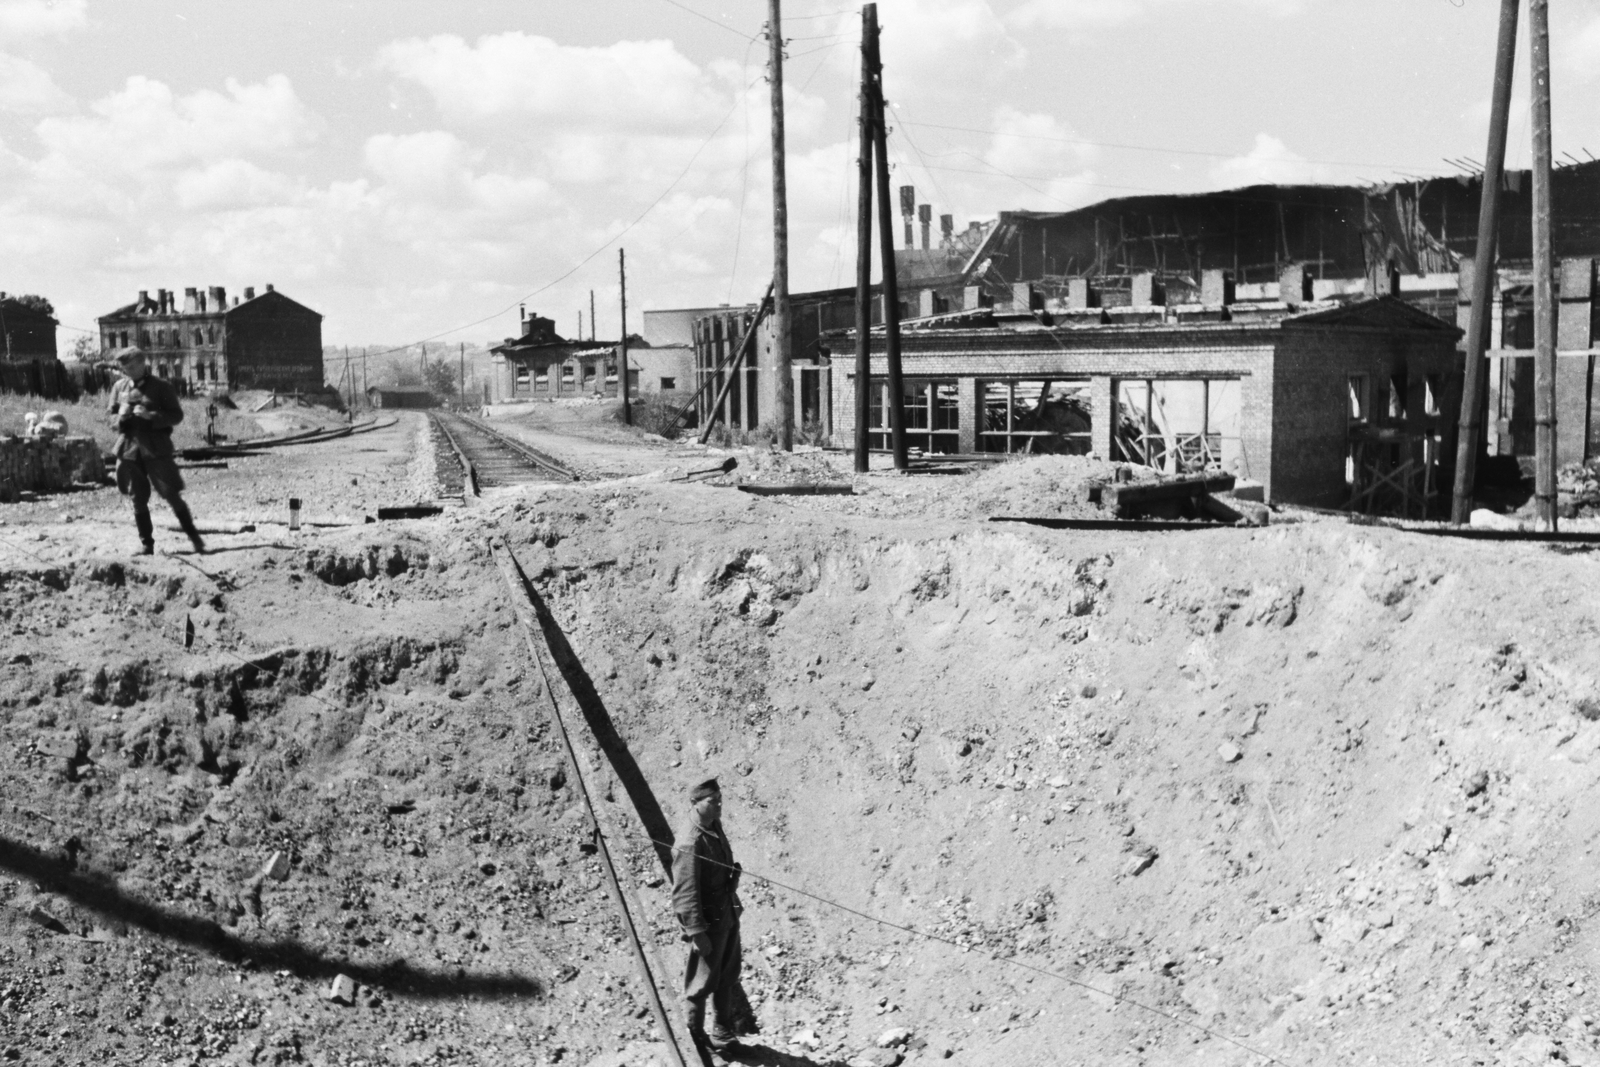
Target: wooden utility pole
{"points": [[891, 286], [782, 357], [591, 318], [1483, 278], [1544, 298], [622, 359], [580, 324], [864, 386], [461, 390]]}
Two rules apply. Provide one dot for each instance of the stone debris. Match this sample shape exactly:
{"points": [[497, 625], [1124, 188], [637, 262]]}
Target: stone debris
{"points": [[807, 1039], [894, 1037], [277, 867], [876, 1057], [343, 990], [1230, 752]]}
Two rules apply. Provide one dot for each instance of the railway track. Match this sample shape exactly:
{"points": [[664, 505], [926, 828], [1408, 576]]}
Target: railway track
{"points": [[489, 458]]}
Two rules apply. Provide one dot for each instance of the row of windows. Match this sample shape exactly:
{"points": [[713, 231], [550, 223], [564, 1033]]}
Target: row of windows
{"points": [[120, 338], [540, 380]]}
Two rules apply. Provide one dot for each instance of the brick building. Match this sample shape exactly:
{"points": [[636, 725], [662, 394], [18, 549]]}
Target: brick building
{"points": [[27, 328], [1313, 399], [264, 341], [542, 365]]}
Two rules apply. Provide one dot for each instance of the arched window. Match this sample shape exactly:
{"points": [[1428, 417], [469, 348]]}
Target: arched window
{"points": [[211, 336], [199, 338], [124, 343]]}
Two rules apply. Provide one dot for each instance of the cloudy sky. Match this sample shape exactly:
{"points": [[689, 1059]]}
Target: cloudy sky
{"points": [[413, 169]]}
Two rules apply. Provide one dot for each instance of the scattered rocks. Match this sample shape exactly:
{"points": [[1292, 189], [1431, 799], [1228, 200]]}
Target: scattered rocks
{"points": [[1230, 752], [876, 1057]]}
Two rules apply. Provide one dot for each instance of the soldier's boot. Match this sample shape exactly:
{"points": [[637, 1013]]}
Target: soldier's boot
{"points": [[147, 528], [722, 1035], [186, 523]]}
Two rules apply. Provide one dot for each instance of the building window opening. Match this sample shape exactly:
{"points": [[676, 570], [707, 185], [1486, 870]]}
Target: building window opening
{"points": [[588, 373], [211, 334], [1179, 426], [522, 378], [611, 372], [1397, 396], [541, 379], [1431, 387], [1049, 417], [668, 384], [932, 413], [569, 373], [199, 338], [1358, 398]]}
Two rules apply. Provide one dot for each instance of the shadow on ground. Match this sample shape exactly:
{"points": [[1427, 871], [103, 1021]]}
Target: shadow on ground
{"points": [[105, 898], [603, 729]]}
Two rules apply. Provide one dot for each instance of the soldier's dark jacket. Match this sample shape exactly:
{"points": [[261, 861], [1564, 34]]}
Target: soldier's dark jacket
{"points": [[150, 435], [703, 881]]}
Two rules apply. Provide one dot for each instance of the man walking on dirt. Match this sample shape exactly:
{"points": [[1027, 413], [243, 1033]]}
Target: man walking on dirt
{"points": [[705, 883], [144, 409]]}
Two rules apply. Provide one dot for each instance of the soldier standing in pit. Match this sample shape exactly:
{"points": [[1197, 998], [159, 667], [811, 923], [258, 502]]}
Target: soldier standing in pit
{"points": [[144, 409], [705, 883]]}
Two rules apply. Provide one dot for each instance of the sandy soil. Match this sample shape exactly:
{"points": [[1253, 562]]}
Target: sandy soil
{"points": [[1319, 789]]}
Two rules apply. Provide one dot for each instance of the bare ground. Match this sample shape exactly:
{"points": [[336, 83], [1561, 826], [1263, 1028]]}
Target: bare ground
{"points": [[1318, 789]]}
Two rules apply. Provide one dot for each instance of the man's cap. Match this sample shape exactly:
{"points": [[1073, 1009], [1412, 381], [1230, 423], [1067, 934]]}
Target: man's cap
{"points": [[707, 788], [124, 355]]}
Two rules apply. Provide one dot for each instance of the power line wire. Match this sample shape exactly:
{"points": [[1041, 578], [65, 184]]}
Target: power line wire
{"points": [[708, 18], [1008, 961], [1137, 147], [613, 239]]}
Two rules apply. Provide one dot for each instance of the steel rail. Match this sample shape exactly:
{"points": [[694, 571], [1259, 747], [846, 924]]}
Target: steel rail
{"points": [[516, 580], [533, 455]]}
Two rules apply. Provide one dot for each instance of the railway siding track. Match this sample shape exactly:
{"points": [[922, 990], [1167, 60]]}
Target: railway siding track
{"points": [[490, 458]]}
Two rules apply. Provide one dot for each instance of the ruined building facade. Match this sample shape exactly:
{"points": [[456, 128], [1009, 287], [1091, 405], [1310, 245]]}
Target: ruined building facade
{"points": [[264, 341]]}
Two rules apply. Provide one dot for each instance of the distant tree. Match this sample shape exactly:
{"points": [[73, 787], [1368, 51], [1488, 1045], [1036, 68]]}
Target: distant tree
{"points": [[85, 349], [442, 378], [36, 303]]}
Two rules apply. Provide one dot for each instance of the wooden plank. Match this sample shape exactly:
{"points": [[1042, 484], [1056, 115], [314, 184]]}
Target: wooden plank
{"points": [[1120, 497]]}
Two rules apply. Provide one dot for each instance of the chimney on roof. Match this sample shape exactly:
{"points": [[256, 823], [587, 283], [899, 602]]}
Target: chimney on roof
{"points": [[191, 301], [925, 216], [1216, 288], [908, 208], [249, 292], [144, 298], [270, 289], [219, 298], [522, 319], [947, 229], [1147, 291], [1080, 294], [161, 301], [1294, 285]]}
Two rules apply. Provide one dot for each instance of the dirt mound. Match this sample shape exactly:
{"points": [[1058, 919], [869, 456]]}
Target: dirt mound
{"points": [[1301, 787]]}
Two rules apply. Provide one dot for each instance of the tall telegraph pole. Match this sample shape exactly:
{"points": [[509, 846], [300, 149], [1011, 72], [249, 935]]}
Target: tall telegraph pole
{"points": [[890, 285], [1544, 302], [1483, 261], [864, 385], [622, 359], [782, 358]]}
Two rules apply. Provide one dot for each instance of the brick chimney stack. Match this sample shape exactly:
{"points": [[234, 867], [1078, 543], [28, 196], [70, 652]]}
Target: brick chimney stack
{"points": [[191, 300], [249, 292], [219, 298]]}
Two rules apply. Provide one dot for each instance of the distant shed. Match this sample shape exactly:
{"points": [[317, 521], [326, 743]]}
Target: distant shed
{"points": [[401, 396]]}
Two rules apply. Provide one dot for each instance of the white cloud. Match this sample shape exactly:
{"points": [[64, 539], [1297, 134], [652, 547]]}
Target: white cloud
{"points": [[232, 185], [923, 41], [1099, 14], [38, 18], [630, 84], [1269, 161], [145, 126], [1040, 150], [1578, 53], [26, 88]]}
